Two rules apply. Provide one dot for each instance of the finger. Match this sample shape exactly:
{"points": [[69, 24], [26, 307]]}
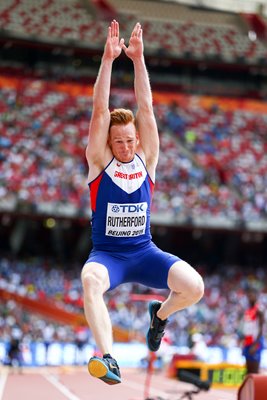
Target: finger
{"points": [[112, 28], [116, 28], [134, 32], [122, 43], [138, 28]]}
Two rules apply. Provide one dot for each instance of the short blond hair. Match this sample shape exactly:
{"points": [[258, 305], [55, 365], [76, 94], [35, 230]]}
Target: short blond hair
{"points": [[121, 116]]}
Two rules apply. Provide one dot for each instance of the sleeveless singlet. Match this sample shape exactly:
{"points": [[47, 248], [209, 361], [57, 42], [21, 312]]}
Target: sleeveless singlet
{"points": [[120, 202], [251, 325]]}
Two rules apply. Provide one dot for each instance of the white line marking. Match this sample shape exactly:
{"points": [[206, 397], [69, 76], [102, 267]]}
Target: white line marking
{"points": [[62, 388], [140, 387], [156, 392], [3, 378]]}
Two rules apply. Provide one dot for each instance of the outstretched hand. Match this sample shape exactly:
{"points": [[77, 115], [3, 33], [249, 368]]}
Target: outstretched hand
{"points": [[136, 46], [113, 44]]}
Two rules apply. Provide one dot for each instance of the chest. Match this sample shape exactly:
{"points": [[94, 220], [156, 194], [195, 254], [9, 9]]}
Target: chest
{"points": [[128, 177]]}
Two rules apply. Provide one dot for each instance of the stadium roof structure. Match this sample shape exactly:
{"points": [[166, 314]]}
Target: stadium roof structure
{"points": [[238, 6]]}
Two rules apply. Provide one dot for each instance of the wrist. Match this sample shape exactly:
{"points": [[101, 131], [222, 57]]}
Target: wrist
{"points": [[107, 59], [139, 60]]}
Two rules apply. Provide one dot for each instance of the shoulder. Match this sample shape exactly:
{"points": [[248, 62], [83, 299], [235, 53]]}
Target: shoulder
{"points": [[150, 166], [96, 166]]}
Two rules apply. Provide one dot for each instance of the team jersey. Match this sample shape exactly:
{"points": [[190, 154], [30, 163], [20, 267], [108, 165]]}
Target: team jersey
{"points": [[251, 325], [120, 202]]}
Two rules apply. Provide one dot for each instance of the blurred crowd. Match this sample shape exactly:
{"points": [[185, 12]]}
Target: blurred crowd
{"points": [[213, 159], [218, 317], [213, 165]]}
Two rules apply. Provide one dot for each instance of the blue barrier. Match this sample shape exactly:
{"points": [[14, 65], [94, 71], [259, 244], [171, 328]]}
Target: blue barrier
{"points": [[127, 354]]}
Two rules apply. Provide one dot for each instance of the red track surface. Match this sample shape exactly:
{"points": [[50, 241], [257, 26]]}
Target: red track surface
{"points": [[75, 384]]}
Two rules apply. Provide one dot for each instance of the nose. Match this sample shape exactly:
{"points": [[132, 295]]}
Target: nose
{"points": [[124, 146]]}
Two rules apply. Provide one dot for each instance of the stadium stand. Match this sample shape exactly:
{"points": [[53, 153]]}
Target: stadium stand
{"points": [[171, 29], [212, 173], [208, 153], [192, 33], [41, 280]]}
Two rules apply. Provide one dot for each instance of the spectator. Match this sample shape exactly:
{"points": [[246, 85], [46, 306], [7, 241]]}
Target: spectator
{"points": [[253, 332]]}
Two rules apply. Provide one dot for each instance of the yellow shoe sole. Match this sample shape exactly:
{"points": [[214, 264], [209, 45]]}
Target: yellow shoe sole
{"points": [[97, 369]]}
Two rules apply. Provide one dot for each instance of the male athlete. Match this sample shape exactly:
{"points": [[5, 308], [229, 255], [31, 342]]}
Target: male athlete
{"points": [[122, 155], [253, 333]]}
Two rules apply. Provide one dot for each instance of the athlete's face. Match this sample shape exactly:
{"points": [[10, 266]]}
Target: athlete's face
{"points": [[252, 297], [123, 141]]}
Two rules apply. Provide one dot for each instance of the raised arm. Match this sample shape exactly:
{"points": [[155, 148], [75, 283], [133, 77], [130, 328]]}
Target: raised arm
{"points": [[99, 124], [146, 122]]}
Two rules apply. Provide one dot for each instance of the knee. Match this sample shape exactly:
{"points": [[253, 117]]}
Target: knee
{"points": [[198, 289], [93, 281], [194, 290], [186, 281]]}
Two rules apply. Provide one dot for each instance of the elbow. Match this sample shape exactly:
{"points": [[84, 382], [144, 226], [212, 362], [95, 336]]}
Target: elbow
{"points": [[146, 113]]}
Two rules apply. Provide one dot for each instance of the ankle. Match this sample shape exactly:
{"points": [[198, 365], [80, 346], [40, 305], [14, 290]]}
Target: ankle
{"points": [[160, 318]]}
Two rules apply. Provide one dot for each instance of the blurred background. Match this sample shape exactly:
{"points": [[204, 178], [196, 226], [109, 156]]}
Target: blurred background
{"points": [[207, 62]]}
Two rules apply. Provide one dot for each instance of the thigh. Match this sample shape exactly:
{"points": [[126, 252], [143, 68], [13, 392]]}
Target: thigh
{"points": [[95, 273], [152, 266], [114, 263], [252, 366]]}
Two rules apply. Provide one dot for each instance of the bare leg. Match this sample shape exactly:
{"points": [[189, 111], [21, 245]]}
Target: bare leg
{"points": [[95, 282], [186, 287]]}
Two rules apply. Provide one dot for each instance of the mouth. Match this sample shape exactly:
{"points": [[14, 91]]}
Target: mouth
{"points": [[126, 154], [125, 157]]}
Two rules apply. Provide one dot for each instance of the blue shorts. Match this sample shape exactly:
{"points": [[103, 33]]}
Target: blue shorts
{"points": [[256, 356], [147, 265]]}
